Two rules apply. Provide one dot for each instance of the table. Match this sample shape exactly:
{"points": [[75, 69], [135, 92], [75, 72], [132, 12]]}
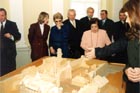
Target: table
{"points": [[8, 81]]}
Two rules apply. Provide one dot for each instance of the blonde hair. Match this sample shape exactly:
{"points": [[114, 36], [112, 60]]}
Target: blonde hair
{"points": [[57, 16], [41, 17]]}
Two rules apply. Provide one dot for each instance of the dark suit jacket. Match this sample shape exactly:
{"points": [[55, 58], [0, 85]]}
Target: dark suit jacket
{"points": [[120, 30], [74, 39], [85, 23], [59, 39], [113, 48], [120, 33], [38, 42], [108, 26], [8, 47]]}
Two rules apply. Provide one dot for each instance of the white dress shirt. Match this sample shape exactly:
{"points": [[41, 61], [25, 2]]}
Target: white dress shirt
{"points": [[41, 28], [73, 23], [4, 22]]}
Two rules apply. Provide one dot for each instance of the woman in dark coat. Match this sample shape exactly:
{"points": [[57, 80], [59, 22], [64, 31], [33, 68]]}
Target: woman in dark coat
{"points": [[58, 36], [132, 69], [38, 35]]}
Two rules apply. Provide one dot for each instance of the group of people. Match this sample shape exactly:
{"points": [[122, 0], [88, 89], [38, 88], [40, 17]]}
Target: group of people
{"points": [[75, 36], [119, 41]]}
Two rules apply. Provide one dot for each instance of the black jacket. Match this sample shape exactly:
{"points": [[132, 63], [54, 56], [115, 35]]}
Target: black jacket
{"points": [[120, 30], [8, 47], [85, 23], [74, 38], [113, 48], [108, 26]]}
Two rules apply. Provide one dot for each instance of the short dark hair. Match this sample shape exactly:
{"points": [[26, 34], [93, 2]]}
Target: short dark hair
{"points": [[94, 21], [104, 11], [2, 9], [122, 11]]}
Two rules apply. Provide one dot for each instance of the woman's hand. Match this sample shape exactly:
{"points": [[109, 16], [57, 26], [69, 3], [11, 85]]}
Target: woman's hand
{"points": [[133, 74], [91, 53], [52, 50]]}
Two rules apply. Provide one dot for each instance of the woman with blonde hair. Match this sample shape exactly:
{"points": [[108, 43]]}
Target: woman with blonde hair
{"points": [[58, 36], [38, 35]]}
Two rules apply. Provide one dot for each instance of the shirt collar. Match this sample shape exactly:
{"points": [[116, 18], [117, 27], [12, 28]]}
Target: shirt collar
{"points": [[4, 22], [41, 24], [104, 20], [122, 22], [72, 20]]}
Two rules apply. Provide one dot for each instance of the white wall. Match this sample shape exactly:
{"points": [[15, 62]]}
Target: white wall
{"points": [[117, 5]]}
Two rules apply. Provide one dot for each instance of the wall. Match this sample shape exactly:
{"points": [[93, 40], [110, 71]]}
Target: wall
{"points": [[30, 10]]}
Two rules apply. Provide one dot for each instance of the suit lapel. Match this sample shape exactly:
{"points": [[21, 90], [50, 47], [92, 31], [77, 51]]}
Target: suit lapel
{"points": [[72, 24], [5, 27], [45, 29]]}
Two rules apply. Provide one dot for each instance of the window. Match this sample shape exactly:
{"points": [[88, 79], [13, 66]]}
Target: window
{"points": [[81, 7]]}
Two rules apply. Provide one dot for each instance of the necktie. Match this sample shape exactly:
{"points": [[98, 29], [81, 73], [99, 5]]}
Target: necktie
{"points": [[89, 18], [73, 23], [1, 27], [103, 22]]}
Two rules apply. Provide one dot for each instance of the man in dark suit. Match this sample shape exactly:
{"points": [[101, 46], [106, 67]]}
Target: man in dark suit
{"points": [[9, 34], [75, 34], [121, 27], [86, 20], [106, 24]]}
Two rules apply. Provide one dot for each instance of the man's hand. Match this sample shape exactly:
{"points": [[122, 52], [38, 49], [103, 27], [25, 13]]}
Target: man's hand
{"points": [[7, 35]]}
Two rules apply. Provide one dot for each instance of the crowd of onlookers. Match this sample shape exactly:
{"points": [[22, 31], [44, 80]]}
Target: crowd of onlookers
{"points": [[76, 37]]}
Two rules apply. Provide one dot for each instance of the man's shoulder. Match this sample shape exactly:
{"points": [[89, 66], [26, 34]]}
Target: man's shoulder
{"points": [[77, 20], [117, 22], [66, 21], [10, 22], [110, 20], [84, 18]]}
